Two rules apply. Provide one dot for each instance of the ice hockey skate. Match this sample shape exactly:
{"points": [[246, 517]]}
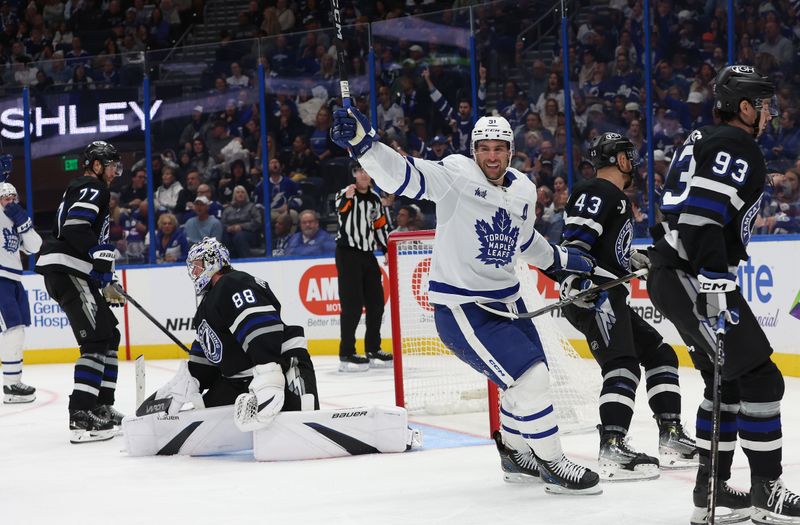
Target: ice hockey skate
{"points": [[676, 449], [618, 462], [562, 476], [733, 506], [773, 503], [380, 359], [518, 467], [86, 427], [18, 393], [110, 413], [353, 363]]}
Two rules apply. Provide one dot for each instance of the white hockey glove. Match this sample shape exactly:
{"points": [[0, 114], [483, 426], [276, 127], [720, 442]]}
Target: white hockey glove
{"points": [[573, 285], [640, 260], [170, 398], [258, 408], [112, 296], [716, 298]]}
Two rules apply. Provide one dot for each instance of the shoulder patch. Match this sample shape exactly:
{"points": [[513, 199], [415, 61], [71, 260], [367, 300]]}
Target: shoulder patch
{"points": [[210, 342]]}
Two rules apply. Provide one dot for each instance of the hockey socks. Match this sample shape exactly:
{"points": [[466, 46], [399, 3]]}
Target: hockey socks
{"points": [[88, 380]]}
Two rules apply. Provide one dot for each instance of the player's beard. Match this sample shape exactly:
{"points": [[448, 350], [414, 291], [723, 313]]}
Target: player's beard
{"points": [[500, 171]]}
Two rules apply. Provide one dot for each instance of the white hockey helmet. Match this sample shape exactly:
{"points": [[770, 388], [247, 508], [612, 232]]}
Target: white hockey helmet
{"points": [[492, 128], [213, 256], [7, 189]]}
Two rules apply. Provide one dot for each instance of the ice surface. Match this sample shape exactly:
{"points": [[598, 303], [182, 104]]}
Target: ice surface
{"points": [[455, 479]]}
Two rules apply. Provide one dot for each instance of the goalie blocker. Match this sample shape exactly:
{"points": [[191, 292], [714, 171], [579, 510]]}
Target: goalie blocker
{"points": [[313, 434]]}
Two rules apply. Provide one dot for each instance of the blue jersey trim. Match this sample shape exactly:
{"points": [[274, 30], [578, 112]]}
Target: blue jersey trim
{"points": [[10, 270], [438, 287]]}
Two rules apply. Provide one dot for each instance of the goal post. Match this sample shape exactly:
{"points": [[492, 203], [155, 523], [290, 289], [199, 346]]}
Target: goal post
{"points": [[431, 380]]}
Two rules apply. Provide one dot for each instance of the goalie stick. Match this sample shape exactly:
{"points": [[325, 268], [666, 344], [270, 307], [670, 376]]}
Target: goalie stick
{"points": [[152, 319], [560, 304], [344, 84]]}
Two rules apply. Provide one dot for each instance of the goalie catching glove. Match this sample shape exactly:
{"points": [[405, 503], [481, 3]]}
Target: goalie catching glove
{"points": [[352, 131], [259, 407]]}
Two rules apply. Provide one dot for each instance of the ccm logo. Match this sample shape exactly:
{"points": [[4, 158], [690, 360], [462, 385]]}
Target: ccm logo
{"points": [[714, 287]]}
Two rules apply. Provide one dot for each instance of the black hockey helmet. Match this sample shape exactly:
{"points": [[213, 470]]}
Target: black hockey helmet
{"points": [[104, 152], [605, 147], [736, 83]]}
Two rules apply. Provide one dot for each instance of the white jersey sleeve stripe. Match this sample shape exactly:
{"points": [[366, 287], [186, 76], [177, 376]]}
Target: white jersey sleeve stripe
{"points": [[87, 205], [249, 311], [585, 221], [718, 187]]}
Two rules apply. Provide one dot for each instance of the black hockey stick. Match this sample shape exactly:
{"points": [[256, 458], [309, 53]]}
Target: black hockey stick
{"points": [[344, 84], [153, 320], [564, 302], [719, 361]]}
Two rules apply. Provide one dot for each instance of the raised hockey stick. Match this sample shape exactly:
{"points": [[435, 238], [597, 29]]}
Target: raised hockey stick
{"points": [[152, 319], [344, 84], [564, 302], [719, 361]]}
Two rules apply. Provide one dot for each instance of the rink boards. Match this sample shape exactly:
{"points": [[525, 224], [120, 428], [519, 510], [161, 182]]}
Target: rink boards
{"points": [[308, 291]]}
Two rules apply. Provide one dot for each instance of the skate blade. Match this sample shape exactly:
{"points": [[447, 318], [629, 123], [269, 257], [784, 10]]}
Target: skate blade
{"points": [[377, 363], [612, 473], [723, 516], [558, 490], [13, 399], [766, 517], [520, 478], [670, 462], [353, 367], [88, 436]]}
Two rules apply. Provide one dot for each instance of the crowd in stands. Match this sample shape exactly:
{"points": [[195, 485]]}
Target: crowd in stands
{"points": [[209, 178]]}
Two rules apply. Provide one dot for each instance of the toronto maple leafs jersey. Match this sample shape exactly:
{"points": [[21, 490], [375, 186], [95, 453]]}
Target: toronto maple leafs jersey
{"points": [[239, 326], [711, 196], [13, 240], [598, 220], [82, 222], [481, 228]]}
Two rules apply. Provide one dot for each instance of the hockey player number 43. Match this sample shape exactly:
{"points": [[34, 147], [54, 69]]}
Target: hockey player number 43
{"points": [[244, 297], [592, 207]]}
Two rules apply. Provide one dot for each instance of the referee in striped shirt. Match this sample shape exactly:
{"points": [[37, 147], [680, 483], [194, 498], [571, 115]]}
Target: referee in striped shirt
{"points": [[363, 228]]}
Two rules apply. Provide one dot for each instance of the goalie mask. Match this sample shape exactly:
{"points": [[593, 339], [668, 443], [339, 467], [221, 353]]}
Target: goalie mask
{"points": [[205, 259], [604, 151]]}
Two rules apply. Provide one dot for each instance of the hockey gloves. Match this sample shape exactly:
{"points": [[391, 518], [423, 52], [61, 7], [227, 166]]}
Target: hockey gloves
{"points": [[573, 285], [569, 259], [352, 131], [103, 265], [18, 216], [717, 297], [640, 260], [112, 295], [258, 408]]}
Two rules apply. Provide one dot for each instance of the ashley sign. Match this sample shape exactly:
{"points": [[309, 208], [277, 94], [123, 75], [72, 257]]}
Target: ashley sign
{"points": [[112, 117]]}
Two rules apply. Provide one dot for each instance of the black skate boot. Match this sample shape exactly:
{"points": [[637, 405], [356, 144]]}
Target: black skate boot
{"points": [[676, 449], [380, 359], [18, 393], [518, 467], [110, 413], [619, 462], [773, 503], [353, 363], [84, 427], [733, 506], [562, 476]]}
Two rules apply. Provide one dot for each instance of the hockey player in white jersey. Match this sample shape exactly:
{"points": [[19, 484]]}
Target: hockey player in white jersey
{"points": [[485, 213], [16, 235]]}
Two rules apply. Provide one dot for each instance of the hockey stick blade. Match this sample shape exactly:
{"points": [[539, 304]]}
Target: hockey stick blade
{"points": [[565, 302], [152, 319]]}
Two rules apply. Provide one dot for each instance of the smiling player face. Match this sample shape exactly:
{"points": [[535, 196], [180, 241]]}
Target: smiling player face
{"points": [[493, 157]]}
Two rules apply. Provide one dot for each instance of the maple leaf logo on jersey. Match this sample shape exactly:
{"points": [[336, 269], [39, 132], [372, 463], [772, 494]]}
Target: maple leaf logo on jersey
{"points": [[10, 240], [498, 240]]}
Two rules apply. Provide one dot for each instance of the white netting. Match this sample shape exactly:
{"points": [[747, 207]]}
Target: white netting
{"points": [[436, 382]]}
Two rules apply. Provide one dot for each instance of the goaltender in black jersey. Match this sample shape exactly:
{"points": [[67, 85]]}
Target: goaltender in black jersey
{"points": [[240, 334]]}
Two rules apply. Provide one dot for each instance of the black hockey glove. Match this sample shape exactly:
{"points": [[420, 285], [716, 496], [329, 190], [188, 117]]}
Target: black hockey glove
{"points": [[716, 298]]}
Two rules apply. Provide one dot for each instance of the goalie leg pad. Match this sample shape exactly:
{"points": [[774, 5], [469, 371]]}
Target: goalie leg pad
{"points": [[200, 432], [336, 433], [528, 405], [170, 398]]}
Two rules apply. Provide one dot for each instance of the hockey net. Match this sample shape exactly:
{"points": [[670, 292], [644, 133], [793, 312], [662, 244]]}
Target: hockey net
{"points": [[430, 380]]}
